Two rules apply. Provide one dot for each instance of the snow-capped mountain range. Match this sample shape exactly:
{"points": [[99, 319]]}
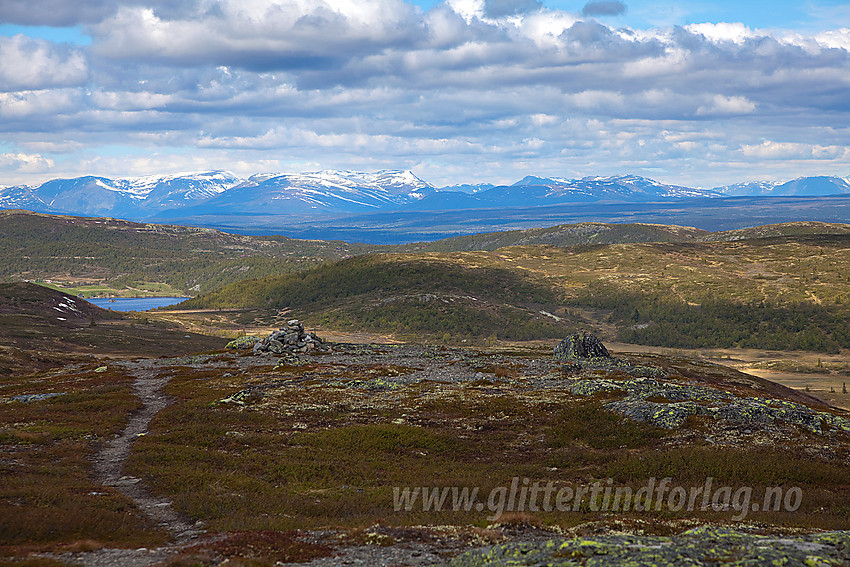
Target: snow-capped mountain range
{"points": [[345, 192], [321, 191], [800, 187], [133, 197]]}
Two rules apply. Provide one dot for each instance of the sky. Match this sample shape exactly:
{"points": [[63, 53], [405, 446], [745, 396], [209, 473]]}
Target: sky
{"points": [[700, 93]]}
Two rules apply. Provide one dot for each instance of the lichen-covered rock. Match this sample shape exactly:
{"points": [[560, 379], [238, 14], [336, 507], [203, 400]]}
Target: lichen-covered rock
{"points": [[372, 384], [700, 546], [274, 347], [668, 404], [244, 342], [579, 346], [668, 415], [239, 398], [34, 397]]}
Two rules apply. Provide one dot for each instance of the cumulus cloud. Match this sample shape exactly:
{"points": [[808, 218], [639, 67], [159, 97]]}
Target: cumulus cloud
{"points": [[733, 32], [54, 12], [25, 163], [37, 104], [63, 13], [261, 35], [794, 150], [603, 8], [726, 105], [27, 63]]}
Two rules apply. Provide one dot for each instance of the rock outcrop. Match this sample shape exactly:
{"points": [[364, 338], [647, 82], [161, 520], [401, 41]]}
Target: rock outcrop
{"points": [[289, 339], [580, 346], [243, 342], [669, 404]]}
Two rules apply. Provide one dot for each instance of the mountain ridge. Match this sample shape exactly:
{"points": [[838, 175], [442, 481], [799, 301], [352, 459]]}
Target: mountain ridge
{"points": [[329, 193]]}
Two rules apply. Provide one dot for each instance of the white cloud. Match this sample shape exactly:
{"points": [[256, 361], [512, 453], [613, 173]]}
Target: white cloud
{"points": [[261, 33], [726, 105], [734, 32], [794, 150], [836, 39], [36, 64], [23, 104], [25, 163]]}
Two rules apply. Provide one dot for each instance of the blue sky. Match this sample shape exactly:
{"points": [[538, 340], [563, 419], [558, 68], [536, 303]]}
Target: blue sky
{"points": [[74, 34], [786, 14], [700, 93]]}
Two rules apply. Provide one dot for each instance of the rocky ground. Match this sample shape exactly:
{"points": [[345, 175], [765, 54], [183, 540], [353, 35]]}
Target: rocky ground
{"points": [[742, 411]]}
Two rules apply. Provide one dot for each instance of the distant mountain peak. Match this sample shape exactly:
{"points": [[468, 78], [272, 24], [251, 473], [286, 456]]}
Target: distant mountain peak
{"points": [[334, 192]]}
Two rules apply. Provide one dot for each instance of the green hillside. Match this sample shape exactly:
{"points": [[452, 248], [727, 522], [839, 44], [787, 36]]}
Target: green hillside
{"points": [[405, 294], [775, 286], [115, 255], [94, 257], [779, 293], [801, 228]]}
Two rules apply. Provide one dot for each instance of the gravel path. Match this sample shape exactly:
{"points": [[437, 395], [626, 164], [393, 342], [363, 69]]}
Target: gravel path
{"points": [[109, 461], [108, 465]]}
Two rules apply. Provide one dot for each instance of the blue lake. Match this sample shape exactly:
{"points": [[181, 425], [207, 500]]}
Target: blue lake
{"points": [[135, 303]]}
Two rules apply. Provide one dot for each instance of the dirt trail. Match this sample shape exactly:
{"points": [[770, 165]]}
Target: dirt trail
{"points": [[109, 461], [108, 465]]}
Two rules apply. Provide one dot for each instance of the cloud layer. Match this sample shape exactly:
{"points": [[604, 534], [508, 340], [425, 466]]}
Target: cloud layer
{"points": [[470, 90]]}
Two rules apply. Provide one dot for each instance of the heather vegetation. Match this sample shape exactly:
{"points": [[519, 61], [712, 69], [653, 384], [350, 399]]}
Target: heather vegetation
{"points": [[48, 496], [323, 442]]}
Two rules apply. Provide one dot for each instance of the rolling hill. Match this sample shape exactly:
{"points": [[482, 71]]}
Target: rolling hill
{"points": [[779, 292], [43, 328], [110, 255], [403, 293], [102, 256]]}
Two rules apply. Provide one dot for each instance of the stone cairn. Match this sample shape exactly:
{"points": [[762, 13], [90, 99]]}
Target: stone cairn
{"points": [[291, 338]]}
